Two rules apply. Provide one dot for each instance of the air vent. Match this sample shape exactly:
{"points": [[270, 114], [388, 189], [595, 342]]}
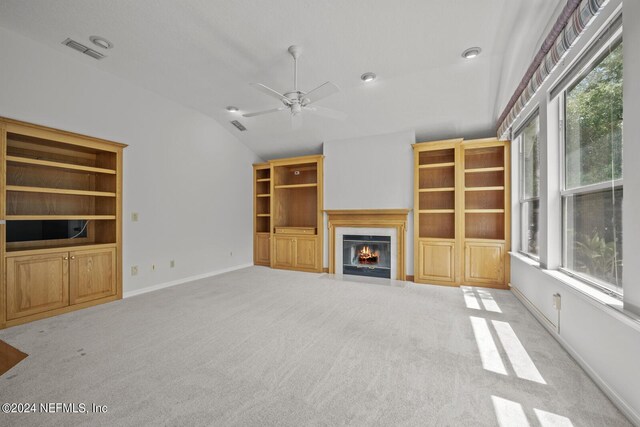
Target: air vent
{"points": [[82, 48], [239, 125]]}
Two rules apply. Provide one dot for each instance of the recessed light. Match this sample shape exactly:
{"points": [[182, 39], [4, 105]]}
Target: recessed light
{"points": [[472, 52], [368, 77], [101, 42], [232, 109]]}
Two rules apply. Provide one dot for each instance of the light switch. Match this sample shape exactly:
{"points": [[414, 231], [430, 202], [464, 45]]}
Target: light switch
{"points": [[134, 216]]}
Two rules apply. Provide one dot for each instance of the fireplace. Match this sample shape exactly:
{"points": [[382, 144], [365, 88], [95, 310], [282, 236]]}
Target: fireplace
{"points": [[382, 231], [365, 255]]}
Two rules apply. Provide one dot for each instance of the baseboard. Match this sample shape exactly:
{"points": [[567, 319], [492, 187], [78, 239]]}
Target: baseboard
{"points": [[182, 281], [547, 323], [619, 402]]}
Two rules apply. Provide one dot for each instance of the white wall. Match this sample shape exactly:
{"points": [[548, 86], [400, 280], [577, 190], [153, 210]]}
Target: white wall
{"points": [[594, 328], [373, 172], [186, 176]]}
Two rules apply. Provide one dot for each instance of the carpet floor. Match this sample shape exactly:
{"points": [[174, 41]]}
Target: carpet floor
{"points": [[263, 347]]}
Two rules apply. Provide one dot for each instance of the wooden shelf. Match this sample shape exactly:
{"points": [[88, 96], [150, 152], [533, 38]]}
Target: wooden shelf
{"points": [[263, 195], [434, 190], [36, 250], [296, 186], [437, 165], [58, 217], [59, 165], [263, 180], [436, 211], [24, 189], [479, 170], [461, 212], [495, 188]]}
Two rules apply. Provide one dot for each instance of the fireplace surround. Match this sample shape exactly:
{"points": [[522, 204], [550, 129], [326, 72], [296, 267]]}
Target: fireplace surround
{"points": [[388, 224]]}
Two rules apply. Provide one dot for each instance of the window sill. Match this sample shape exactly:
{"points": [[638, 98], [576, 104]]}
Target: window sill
{"points": [[595, 297]]}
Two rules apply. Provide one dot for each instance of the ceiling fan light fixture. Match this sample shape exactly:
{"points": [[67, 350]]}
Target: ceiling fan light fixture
{"points": [[232, 109], [368, 77], [471, 53]]}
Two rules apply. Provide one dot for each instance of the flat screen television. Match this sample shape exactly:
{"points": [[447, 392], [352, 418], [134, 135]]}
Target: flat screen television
{"points": [[25, 231]]}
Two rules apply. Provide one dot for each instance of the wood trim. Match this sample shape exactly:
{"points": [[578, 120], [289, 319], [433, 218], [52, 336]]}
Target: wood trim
{"points": [[296, 160], [54, 249], [58, 311], [66, 137], [3, 198], [374, 218], [436, 145]]}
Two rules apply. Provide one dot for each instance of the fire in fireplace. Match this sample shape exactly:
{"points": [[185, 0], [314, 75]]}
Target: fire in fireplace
{"points": [[367, 255]]}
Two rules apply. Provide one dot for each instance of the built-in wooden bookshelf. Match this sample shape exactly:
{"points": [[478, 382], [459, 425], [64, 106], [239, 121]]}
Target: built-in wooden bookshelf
{"points": [[288, 213], [60, 240], [262, 214], [297, 213], [461, 212]]}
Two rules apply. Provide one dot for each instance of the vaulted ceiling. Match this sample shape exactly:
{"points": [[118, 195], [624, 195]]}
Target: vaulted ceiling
{"points": [[203, 54]]}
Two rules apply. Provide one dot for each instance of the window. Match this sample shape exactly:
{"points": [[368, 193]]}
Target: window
{"points": [[592, 174], [529, 186]]}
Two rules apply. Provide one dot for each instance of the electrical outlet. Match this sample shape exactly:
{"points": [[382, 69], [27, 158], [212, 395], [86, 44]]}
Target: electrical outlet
{"points": [[134, 270], [134, 216], [153, 267], [172, 263], [557, 301]]}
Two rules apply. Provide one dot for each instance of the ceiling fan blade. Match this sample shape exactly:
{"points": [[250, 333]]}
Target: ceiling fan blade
{"points": [[296, 121], [259, 113], [327, 112], [321, 92], [268, 91]]}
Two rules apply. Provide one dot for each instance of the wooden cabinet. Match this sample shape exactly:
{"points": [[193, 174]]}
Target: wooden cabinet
{"points": [[261, 250], [461, 212], [288, 213], [306, 253], [36, 284], [484, 263], [436, 261], [60, 221], [283, 252], [295, 253], [92, 275]]}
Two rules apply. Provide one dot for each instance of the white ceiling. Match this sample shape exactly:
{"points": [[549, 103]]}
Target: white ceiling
{"points": [[203, 54]]}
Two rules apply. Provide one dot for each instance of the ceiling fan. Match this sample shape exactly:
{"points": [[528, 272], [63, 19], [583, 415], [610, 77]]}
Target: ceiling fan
{"points": [[297, 101]]}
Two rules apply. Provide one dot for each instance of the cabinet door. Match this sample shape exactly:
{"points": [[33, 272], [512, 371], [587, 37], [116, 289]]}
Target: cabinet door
{"points": [[307, 253], [92, 275], [261, 249], [37, 283], [283, 251], [484, 262], [437, 261]]}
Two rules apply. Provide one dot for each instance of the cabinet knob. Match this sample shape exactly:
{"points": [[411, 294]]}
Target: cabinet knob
{"points": [[73, 257], [65, 258]]}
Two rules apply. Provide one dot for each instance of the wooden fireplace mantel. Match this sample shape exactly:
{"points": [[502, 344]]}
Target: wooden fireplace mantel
{"points": [[374, 218]]}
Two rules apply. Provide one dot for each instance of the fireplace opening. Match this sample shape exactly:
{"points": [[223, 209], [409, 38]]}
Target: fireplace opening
{"points": [[367, 256]]}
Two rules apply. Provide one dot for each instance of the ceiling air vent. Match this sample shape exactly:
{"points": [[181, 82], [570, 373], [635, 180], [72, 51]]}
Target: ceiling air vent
{"points": [[239, 125], [82, 48]]}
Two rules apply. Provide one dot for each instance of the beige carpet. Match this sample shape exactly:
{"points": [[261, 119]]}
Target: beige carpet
{"points": [[266, 347]]}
